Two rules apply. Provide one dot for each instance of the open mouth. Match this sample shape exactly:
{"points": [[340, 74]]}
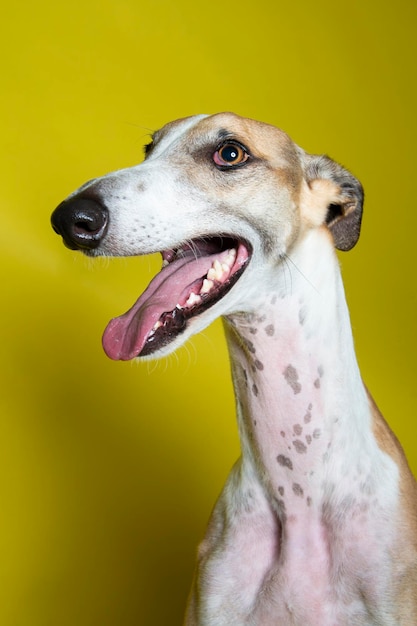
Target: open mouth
{"points": [[193, 278]]}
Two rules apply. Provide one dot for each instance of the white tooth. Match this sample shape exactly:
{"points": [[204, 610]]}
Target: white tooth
{"points": [[211, 274], [164, 263], [218, 269], [207, 286], [157, 325], [231, 257], [193, 299], [216, 265]]}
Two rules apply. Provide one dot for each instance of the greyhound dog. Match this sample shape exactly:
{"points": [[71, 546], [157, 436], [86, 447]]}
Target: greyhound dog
{"points": [[317, 522]]}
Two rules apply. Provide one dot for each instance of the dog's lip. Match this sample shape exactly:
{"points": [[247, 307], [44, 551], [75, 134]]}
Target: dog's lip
{"points": [[133, 333], [202, 246]]}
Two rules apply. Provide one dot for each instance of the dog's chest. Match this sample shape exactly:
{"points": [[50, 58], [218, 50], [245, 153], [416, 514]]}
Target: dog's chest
{"points": [[318, 569], [302, 522]]}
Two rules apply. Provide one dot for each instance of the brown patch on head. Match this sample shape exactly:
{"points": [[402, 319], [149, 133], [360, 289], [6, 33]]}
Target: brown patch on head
{"points": [[333, 197], [266, 142], [274, 168]]}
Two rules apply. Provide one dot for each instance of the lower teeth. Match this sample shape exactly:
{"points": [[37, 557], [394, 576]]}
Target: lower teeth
{"points": [[193, 299], [219, 272]]}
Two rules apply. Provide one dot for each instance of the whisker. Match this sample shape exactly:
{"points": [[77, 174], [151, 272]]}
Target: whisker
{"points": [[194, 248], [288, 260], [286, 270]]}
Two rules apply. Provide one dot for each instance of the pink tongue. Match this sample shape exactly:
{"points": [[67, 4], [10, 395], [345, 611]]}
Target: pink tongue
{"points": [[126, 335]]}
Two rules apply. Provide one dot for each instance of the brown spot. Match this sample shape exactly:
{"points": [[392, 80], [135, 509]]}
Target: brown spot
{"points": [[255, 389], [297, 489], [316, 433], [251, 347], [259, 365], [309, 501], [270, 330], [281, 491], [291, 376], [307, 417], [300, 446], [317, 383], [308, 439], [281, 508], [282, 433], [253, 331], [284, 461], [298, 429], [320, 371]]}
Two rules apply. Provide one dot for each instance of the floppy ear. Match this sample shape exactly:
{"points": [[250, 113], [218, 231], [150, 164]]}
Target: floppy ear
{"points": [[344, 206]]}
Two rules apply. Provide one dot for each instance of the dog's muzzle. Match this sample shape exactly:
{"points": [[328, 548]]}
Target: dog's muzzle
{"points": [[81, 222]]}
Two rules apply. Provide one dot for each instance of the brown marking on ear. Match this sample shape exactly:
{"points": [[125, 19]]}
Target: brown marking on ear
{"points": [[338, 199], [315, 199]]}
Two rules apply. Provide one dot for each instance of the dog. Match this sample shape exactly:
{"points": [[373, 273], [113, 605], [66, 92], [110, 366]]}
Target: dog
{"points": [[317, 522]]}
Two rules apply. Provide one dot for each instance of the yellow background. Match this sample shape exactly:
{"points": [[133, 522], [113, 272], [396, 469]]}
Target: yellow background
{"points": [[108, 471]]}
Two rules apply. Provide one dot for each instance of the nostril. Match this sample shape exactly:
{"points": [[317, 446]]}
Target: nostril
{"points": [[88, 221], [82, 222]]}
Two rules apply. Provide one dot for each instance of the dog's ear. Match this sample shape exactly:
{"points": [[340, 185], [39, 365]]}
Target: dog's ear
{"points": [[344, 198]]}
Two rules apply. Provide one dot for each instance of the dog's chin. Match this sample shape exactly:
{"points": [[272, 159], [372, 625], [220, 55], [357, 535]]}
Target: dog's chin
{"points": [[195, 276]]}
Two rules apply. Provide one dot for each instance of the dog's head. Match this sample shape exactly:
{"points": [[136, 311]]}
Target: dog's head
{"points": [[221, 197]]}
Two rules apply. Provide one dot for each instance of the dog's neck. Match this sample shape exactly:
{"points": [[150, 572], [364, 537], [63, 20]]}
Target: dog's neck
{"points": [[295, 374]]}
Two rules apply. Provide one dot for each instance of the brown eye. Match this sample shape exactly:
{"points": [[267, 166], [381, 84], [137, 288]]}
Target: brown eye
{"points": [[230, 154]]}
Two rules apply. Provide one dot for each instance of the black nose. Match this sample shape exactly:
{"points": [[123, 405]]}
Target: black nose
{"points": [[81, 222]]}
